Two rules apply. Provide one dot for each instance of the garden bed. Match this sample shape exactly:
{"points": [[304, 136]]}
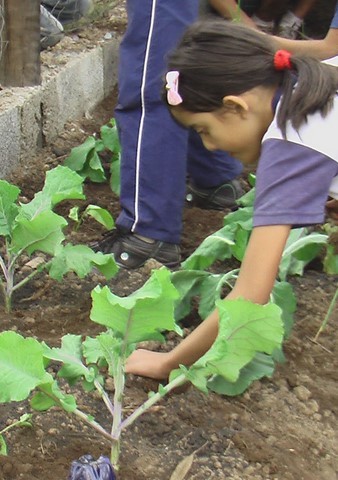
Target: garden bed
{"points": [[282, 428]]}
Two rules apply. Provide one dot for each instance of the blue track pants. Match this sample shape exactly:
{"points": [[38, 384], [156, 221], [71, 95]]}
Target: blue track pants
{"points": [[157, 153]]}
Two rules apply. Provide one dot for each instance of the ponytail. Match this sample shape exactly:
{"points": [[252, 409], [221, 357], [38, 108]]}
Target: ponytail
{"points": [[314, 90]]}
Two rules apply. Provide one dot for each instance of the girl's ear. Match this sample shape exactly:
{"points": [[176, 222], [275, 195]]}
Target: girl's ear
{"points": [[236, 104]]}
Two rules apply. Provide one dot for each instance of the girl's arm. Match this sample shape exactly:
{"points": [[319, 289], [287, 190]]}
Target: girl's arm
{"points": [[255, 282], [321, 49], [230, 9]]}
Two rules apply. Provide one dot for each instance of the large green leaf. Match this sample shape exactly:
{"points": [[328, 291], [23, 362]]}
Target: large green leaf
{"points": [[245, 329], [261, 366], [43, 233], [61, 183], [8, 208], [143, 314], [21, 366], [81, 260]]}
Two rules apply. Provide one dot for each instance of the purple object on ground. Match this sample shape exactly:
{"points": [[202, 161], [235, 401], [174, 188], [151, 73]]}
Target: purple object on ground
{"points": [[86, 468]]}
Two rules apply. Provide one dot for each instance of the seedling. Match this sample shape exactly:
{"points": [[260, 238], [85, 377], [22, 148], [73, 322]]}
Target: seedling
{"points": [[24, 421], [245, 330], [26, 229], [86, 161], [327, 316]]}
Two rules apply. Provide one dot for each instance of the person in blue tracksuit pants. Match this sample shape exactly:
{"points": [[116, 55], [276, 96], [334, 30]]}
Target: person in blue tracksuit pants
{"points": [[157, 153]]}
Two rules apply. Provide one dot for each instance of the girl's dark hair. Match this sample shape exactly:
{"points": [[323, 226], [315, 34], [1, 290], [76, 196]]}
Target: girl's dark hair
{"points": [[216, 58]]}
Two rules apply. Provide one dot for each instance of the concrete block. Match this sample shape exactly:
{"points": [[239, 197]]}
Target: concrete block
{"points": [[32, 117], [10, 134], [110, 60], [74, 91], [31, 124]]}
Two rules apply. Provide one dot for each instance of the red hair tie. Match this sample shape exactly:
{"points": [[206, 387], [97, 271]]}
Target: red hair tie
{"points": [[282, 60]]}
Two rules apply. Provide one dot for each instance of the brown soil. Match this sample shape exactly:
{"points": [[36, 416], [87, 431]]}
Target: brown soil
{"points": [[283, 428]]}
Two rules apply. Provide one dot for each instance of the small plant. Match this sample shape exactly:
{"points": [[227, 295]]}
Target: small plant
{"points": [[245, 330], [24, 421], [85, 159], [26, 229]]}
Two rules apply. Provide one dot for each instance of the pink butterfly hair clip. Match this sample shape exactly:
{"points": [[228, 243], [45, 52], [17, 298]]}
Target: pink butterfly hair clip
{"points": [[173, 97]]}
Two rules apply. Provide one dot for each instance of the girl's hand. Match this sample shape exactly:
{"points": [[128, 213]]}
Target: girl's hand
{"points": [[149, 364], [332, 209]]}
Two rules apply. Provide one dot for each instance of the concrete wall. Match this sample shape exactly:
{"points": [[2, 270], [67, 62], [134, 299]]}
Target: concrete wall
{"points": [[32, 117]]}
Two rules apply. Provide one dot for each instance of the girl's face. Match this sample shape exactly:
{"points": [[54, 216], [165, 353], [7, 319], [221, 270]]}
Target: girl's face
{"points": [[238, 128]]}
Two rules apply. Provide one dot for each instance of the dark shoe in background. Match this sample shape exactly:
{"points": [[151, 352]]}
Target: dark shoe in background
{"points": [[130, 251], [217, 198]]}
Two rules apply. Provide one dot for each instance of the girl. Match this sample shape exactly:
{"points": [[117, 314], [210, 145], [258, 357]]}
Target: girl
{"points": [[229, 84]]}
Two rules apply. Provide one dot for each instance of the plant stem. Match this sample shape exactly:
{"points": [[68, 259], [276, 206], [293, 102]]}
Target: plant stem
{"points": [[85, 418], [104, 397], [93, 424], [3, 267], [177, 382], [327, 316], [39, 269], [117, 419]]}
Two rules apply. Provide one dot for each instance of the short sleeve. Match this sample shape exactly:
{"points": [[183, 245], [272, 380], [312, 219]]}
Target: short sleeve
{"points": [[292, 184], [334, 22]]}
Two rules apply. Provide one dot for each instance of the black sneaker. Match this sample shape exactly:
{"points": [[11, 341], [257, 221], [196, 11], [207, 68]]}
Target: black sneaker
{"points": [[130, 251], [216, 198]]}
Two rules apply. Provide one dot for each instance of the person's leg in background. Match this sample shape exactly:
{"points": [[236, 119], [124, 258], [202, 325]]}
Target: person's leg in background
{"points": [[56, 13], [153, 146], [290, 26], [68, 11]]}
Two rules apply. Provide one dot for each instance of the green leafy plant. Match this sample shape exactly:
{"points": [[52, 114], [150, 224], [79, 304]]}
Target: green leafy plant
{"points": [[26, 229], [245, 330], [232, 239], [24, 421], [85, 159]]}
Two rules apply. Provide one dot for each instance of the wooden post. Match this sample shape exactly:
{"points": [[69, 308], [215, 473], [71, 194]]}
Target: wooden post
{"points": [[20, 43]]}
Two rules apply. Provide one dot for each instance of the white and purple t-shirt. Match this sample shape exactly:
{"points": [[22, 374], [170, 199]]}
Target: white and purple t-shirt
{"points": [[296, 175]]}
